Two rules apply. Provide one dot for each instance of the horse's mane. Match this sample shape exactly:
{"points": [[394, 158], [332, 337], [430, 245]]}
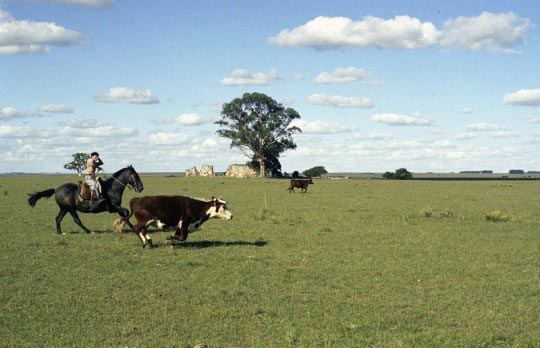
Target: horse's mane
{"points": [[114, 176], [117, 173]]}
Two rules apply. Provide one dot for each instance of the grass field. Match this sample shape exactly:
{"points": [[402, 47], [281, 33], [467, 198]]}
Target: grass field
{"points": [[351, 263]]}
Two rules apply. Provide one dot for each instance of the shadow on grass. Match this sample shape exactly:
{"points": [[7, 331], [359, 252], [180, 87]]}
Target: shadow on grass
{"points": [[216, 243], [93, 231]]}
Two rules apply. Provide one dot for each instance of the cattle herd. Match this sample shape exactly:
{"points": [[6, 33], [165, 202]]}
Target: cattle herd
{"points": [[186, 214]]}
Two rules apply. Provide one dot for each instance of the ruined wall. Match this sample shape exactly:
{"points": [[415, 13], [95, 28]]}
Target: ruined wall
{"points": [[207, 170], [192, 172], [240, 171]]}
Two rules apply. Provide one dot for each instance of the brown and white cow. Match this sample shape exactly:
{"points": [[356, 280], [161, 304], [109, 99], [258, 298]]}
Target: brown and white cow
{"points": [[185, 213], [302, 184]]}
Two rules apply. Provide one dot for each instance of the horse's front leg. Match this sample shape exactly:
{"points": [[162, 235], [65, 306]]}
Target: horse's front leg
{"points": [[123, 212]]}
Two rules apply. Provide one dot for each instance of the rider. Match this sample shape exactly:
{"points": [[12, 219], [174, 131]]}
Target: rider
{"points": [[92, 167]]}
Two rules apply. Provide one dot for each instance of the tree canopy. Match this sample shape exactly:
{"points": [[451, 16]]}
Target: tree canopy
{"points": [[78, 163], [259, 126], [315, 171], [399, 174]]}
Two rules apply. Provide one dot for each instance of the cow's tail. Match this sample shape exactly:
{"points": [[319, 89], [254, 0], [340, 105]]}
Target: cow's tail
{"points": [[37, 196], [122, 221]]}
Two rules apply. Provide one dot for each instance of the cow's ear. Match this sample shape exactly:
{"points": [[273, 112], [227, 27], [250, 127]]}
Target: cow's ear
{"points": [[214, 199]]}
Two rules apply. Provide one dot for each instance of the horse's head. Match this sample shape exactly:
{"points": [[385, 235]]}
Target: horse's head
{"points": [[134, 180]]}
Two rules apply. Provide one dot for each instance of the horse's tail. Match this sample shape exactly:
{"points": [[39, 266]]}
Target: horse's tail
{"points": [[122, 221], [37, 196]]}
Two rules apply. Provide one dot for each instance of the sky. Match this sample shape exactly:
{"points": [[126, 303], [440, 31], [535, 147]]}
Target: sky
{"points": [[431, 86]]}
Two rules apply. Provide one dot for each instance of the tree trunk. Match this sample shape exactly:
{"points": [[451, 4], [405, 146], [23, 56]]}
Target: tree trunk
{"points": [[262, 167]]}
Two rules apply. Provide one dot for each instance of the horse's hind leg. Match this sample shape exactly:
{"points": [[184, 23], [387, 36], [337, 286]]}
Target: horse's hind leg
{"points": [[78, 221], [58, 219]]}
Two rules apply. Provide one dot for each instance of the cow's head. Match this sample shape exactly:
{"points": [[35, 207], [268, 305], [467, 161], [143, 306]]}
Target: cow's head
{"points": [[310, 181], [219, 210]]}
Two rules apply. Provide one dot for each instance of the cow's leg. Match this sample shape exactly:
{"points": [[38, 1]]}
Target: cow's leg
{"points": [[291, 189], [181, 231], [140, 231], [78, 221], [148, 238], [58, 219]]}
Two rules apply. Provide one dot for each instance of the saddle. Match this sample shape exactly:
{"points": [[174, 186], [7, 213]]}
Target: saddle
{"points": [[87, 200], [86, 193]]}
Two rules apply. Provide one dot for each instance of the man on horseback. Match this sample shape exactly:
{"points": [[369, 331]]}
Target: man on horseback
{"points": [[92, 168]]}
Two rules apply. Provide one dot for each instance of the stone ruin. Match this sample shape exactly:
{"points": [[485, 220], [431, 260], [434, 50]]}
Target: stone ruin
{"points": [[206, 170], [240, 171], [192, 171], [234, 171]]}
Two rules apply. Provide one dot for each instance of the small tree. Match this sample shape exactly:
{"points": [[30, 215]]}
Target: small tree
{"points": [[399, 174], [388, 175], [403, 174], [315, 171], [78, 163]]}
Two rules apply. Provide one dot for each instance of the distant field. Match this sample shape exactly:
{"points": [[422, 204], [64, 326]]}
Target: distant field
{"points": [[351, 263]]}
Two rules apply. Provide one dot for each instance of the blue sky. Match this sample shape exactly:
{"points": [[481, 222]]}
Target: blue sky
{"points": [[426, 85]]}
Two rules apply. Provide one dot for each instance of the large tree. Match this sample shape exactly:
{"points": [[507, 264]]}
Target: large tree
{"points": [[78, 163], [259, 126]]}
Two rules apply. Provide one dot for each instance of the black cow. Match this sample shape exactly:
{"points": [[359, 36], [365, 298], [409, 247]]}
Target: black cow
{"points": [[186, 213], [302, 184]]}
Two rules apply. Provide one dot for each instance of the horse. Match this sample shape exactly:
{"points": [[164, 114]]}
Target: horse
{"points": [[67, 197]]}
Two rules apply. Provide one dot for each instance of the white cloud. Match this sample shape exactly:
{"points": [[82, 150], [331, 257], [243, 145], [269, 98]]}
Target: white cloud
{"points": [[124, 94], [401, 120], [11, 113], [494, 32], [466, 111], [483, 127], [81, 123], [504, 134], [243, 77], [89, 3], [108, 131], [380, 136], [343, 75], [168, 138], [22, 36], [339, 101], [467, 136], [193, 120], [531, 119], [320, 127], [523, 97], [402, 32], [7, 131], [56, 108], [90, 128]]}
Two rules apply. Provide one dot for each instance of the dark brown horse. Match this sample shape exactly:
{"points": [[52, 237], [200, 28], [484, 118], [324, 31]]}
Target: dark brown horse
{"points": [[66, 197]]}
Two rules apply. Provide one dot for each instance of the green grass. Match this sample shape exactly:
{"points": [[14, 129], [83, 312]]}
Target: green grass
{"points": [[351, 263]]}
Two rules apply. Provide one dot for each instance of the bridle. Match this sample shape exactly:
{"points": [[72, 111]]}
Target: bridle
{"points": [[126, 185]]}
